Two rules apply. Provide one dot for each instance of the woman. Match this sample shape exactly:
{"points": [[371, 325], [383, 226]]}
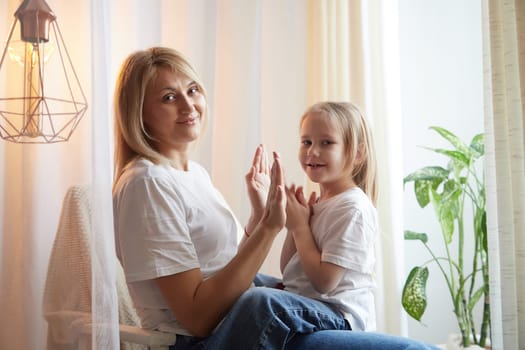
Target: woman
{"points": [[176, 236]]}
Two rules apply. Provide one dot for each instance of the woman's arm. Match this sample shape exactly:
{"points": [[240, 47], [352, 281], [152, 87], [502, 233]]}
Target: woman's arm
{"points": [[287, 251], [324, 276], [198, 303]]}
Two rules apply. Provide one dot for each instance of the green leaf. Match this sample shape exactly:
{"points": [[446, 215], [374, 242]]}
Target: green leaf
{"points": [[458, 160], [414, 236], [446, 206], [431, 173], [449, 189], [454, 140], [446, 220], [414, 298], [479, 217], [422, 191], [455, 156], [475, 298], [477, 146]]}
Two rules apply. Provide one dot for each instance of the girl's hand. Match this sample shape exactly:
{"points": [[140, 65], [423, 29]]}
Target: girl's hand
{"points": [[274, 216], [312, 200], [258, 183], [297, 208]]}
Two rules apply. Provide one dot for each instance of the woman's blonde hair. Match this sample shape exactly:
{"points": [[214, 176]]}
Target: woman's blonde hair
{"points": [[137, 72], [357, 138]]}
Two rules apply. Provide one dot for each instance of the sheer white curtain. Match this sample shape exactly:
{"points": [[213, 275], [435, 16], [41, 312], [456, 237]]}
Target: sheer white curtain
{"points": [[263, 62], [504, 63], [353, 55], [33, 181]]}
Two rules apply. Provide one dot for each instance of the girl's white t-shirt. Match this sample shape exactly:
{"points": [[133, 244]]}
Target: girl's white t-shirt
{"points": [[344, 228], [168, 221]]}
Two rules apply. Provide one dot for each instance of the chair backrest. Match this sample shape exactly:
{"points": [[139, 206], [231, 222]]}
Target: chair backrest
{"points": [[68, 284]]}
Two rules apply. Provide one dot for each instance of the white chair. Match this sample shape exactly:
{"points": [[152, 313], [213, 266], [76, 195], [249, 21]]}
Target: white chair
{"points": [[67, 295]]}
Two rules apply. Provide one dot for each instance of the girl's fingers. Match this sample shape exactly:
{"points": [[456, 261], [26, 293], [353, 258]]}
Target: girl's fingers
{"points": [[299, 194], [290, 194], [312, 199], [298, 191]]}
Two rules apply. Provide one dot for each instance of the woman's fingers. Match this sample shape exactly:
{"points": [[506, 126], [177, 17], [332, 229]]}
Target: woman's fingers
{"points": [[273, 179], [264, 161], [275, 213], [277, 177], [260, 160], [257, 159], [279, 173]]}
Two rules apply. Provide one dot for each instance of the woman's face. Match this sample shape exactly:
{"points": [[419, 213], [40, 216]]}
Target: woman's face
{"points": [[173, 110]]}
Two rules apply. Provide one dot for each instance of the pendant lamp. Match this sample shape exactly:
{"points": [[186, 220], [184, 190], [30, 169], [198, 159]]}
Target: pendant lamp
{"points": [[41, 100]]}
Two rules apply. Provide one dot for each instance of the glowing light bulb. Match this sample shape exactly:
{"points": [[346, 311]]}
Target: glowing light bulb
{"points": [[17, 51]]}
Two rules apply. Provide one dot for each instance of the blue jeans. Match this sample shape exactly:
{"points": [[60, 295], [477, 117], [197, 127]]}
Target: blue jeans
{"points": [[267, 318], [354, 340]]}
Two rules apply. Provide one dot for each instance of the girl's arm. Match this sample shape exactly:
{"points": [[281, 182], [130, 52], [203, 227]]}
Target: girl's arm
{"points": [[199, 304], [324, 276]]}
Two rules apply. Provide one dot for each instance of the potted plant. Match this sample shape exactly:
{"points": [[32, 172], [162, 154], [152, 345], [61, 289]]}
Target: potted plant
{"points": [[453, 191]]}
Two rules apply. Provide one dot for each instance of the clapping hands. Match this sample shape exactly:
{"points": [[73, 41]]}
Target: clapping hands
{"points": [[298, 209], [274, 216], [258, 181]]}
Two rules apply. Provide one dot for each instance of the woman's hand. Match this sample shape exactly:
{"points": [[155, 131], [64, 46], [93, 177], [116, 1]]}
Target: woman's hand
{"points": [[257, 184], [274, 215]]}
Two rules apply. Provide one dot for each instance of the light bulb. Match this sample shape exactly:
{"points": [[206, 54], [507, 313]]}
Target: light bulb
{"points": [[17, 51]]}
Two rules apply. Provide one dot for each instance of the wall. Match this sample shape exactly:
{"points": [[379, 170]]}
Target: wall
{"points": [[441, 84]]}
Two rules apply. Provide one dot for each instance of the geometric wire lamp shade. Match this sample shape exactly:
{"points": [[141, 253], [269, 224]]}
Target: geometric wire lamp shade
{"points": [[43, 100]]}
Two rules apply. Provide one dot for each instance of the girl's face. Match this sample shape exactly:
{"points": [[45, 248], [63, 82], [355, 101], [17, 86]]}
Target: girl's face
{"points": [[173, 110], [322, 153]]}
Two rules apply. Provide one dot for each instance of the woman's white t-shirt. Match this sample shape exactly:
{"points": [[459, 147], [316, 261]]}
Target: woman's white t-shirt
{"points": [[344, 228], [168, 221]]}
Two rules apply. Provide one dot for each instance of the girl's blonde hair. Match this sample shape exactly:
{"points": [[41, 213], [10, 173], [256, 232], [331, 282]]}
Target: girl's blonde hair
{"points": [[137, 72], [357, 139]]}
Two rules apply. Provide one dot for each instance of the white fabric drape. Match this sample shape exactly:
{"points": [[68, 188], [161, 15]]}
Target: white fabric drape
{"points": [[33, 181], [504, 63], [104, 300], [263, 62]]}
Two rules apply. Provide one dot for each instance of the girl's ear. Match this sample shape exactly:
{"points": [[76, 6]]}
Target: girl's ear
{"points": [[361, 154]]}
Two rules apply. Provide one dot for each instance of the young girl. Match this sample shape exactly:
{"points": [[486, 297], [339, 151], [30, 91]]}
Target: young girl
{"points": [[328, 253]]}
